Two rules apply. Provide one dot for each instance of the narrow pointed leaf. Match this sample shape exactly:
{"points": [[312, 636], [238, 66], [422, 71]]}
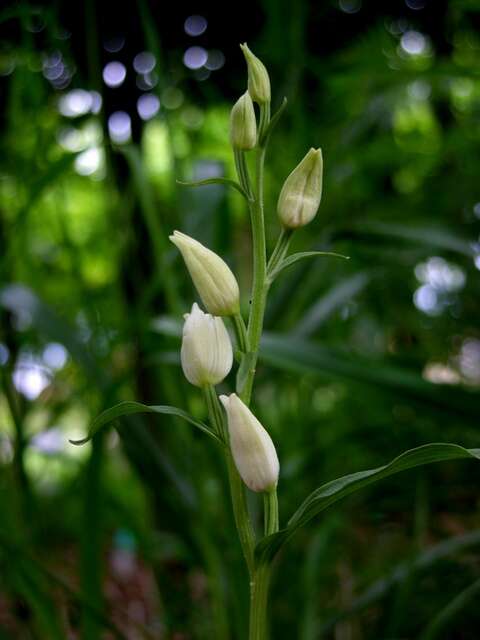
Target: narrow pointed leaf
{"points": [[273, 122], [225, 181], [335, 490], [129, 407], [444, 619], [423, 561], [295, 257]]}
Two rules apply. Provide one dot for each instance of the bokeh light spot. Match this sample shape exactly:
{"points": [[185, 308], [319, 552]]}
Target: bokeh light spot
{"points": [[148, 106], [114, 74], [172, 98], [195, 57], [114, 44], [195, 25], [76, 102], [144, 62], [215, 60], [55, 355], [88, 162], [413, 42], [350, 6], [120, 127]]}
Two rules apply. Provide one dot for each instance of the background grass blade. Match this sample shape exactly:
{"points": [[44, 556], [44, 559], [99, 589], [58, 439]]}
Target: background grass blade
{"points": [[419, 563], [438, 627]]}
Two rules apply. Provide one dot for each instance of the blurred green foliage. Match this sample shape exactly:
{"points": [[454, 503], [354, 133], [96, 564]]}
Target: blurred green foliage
{"points": [[133, 537]]}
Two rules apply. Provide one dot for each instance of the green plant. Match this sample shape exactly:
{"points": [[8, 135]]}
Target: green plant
{"points": [[207, 355]]}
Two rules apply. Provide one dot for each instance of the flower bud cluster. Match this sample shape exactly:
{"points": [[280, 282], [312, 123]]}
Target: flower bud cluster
{"points": [[206, 352]]}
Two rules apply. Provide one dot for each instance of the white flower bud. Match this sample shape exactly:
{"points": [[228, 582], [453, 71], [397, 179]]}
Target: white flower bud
{"points": [[243, 125], [258, 80], [302, 191], [206, 354], [211, 276], [252, 448]]}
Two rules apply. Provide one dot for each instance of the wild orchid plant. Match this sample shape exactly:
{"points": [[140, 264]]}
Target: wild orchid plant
{"points": [[207, 354]]}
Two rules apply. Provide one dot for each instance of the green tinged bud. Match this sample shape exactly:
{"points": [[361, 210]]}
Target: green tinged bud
{"points": [[302, 191], [211, 276], [206, 353], [252, 448], [243, 124], [258, 80]]}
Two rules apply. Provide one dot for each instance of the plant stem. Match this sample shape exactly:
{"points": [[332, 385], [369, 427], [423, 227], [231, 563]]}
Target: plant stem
{"points": [[240, 332], [260, 574], [242, 172], [260, 284], [280, 250], [270, 505], [237, 488], [258, 602]]}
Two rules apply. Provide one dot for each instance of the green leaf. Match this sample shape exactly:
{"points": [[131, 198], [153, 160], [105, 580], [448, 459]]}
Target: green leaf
{"points": [[295, 257], [225, 181], [335, 490], [344, 291], [434, 236], [129, 407], [423, 561], [273, 121], [437, 627], [305, 356]]}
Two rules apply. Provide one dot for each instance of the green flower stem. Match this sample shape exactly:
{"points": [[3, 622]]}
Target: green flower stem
{"points": [[259, 574], [281, 248], [242, 172], [263, 124], [258, 602], [260, 284], [237, 488], [270, 505], [240, 332]]}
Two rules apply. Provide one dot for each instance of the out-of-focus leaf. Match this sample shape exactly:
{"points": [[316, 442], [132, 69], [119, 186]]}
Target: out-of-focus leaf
{"points": [[444, 618], [337, 296], [335, 490], [55, 171], [129, 407], [22, 301], [292, 354], [424, 560], [431, 236], [34, 569]]}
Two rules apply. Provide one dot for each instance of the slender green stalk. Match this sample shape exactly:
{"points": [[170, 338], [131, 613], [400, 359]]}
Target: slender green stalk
{"points": [[258, 602], [237, 488], [260, 284], [240, 332], [270, 505], [263, 124], [242, 172], [281, 248]]}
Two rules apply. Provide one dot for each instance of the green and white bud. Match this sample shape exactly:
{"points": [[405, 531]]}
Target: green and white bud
{"points": [[206, 353], [252, 448], [243, 124], [212, 277], [302, 191], [258, 80]]}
